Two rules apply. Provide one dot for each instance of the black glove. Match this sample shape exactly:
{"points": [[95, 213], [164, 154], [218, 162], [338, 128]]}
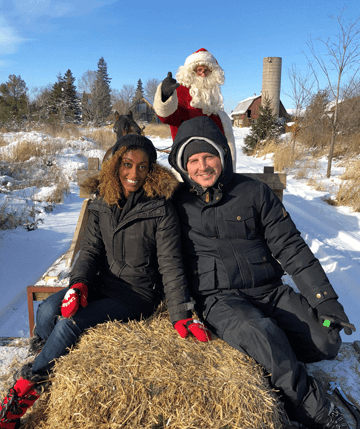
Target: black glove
{"points": [[334, 309], [168, 87]]}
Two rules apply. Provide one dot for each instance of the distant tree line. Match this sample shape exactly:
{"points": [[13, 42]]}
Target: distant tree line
{"points": [[91, 102]]}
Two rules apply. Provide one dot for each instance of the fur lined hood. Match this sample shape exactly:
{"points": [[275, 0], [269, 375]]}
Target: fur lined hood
{"points": [[160, 181]]}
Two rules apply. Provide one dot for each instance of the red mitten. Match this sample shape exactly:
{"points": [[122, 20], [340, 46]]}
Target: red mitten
{"points": [[195, 327], [75, 296]]}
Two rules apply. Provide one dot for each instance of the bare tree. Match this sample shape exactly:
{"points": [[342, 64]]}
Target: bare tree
{"points": [[87, 81], [85, 85], [40, 100], [150, 89], [301, 93], [341, 59], [122, 99]]}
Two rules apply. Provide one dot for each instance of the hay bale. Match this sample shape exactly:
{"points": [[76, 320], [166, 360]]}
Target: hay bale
{"points": [[143, 375]]}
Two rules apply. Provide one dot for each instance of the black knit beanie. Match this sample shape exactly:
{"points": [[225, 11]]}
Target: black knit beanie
{"points": [[197, 146], [134, 141]]}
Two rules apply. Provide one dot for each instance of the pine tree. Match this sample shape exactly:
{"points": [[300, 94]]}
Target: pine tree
{"points": [[56, 104], [71, 101], [266, 126], [101, 94], [139, 91], [13, 100], [86, 108]]}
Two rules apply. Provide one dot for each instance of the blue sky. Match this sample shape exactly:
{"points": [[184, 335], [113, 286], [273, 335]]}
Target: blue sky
{"points": [[142, 40]]}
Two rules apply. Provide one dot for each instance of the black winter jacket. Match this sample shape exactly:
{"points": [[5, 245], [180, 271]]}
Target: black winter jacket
{"points": [[135, 259], [243, 238]]}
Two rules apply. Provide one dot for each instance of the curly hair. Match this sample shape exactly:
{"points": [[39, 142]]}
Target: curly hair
{"points": [[160, 181]]}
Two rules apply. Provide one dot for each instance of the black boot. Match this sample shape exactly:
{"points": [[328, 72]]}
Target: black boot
{"points": [[36, 344], [334, 420]]}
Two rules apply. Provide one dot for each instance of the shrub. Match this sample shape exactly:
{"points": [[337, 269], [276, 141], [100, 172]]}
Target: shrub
{"points": [[349, 191]]}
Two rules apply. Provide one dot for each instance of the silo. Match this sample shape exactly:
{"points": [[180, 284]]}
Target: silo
{"points": [[271, 82]]}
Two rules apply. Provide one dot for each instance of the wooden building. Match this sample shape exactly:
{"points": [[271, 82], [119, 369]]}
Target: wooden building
{"points": [[247, 112], [143, 111]]}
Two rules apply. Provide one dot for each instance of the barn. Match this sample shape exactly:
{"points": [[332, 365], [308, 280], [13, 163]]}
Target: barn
{"points": [[247, 112]]}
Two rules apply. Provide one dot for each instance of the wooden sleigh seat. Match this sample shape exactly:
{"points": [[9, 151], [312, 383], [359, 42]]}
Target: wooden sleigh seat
{"points": [[57, 276]]}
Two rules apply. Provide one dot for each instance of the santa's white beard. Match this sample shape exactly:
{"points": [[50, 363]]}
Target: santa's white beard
{"points": [[205, 91]]}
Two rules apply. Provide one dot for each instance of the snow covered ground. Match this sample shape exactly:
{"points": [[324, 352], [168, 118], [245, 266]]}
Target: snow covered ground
{"points": [[333, 234]]}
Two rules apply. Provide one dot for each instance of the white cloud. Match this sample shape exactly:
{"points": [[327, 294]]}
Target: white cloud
{"points": [[9, 38], [35, 16]]}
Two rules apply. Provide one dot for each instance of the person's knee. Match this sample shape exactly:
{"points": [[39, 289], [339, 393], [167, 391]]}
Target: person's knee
{"points": [[46, 318], [329, 345], [259, 331], [66, 326]]}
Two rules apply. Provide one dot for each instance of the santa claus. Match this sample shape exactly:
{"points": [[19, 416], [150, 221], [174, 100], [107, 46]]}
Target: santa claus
{"points": [[195, 92]]}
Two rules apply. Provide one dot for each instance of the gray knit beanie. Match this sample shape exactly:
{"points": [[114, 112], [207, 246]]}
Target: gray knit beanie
{"points": [[197, 146]]}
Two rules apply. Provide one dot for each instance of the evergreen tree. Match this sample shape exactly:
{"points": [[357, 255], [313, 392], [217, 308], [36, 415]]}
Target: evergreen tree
{"points": [[139, 91], [86, 108], [101, 94], [13, 100], [56, 104], [63, 103], [71, 101], [264, 128]]}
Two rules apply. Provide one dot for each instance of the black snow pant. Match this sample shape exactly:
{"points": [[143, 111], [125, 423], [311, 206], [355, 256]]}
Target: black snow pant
{"points": [[280, 331]]}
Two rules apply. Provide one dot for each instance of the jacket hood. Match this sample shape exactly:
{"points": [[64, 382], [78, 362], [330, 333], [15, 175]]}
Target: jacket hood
{"points": [[201, 127], [160, 182]]}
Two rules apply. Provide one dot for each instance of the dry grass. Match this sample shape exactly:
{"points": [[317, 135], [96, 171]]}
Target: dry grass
{"points": [[284, 155], [3, 142], [264, 148], [105, 137], [24, 150], [349, 191], [157, 130], [143, 375], [10, 219], [318, 186]]}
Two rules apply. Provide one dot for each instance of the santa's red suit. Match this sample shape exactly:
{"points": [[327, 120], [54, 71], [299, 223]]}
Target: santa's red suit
{"points": [[177, 108]]}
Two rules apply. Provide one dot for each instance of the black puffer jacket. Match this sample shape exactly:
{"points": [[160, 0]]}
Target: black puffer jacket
{"points": [[138, 257], [243, 238]]}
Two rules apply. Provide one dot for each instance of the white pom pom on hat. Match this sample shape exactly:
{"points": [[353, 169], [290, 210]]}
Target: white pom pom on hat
{"points": [[201, 56]]}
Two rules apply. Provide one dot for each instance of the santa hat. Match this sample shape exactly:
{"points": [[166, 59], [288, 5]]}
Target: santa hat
{"points": [[202, 56]]}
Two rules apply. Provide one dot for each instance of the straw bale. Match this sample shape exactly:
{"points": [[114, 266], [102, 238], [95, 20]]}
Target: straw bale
{"points": [[144, 375]]}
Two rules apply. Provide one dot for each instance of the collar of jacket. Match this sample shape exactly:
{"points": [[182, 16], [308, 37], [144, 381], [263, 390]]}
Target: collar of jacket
{"points": [[208, 195]]}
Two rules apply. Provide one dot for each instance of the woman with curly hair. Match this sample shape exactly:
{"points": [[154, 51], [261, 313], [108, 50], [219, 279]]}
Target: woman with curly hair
{"points": [[130, 256]]}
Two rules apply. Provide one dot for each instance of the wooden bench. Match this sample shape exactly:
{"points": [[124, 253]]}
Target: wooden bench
{"points": [[56, 277], [276, 181]]}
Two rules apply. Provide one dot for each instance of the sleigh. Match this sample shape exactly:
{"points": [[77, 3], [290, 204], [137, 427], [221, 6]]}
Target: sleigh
{"points": [[57, 276]]}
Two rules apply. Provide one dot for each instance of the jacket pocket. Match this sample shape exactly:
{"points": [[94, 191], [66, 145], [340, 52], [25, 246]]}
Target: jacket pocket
{"points": [[240, 223], [204, 274], [261, 265], [117, 268]]}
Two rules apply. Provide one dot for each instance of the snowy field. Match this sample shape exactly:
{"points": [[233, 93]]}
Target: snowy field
{"points": [[333, 234]]}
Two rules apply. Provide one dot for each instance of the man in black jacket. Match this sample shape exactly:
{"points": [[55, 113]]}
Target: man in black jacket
{"points": [[238, 242]]}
